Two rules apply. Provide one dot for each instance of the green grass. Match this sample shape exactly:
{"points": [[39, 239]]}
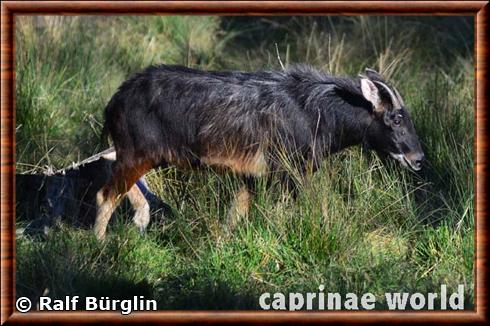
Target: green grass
{"points": [[357, 226]]}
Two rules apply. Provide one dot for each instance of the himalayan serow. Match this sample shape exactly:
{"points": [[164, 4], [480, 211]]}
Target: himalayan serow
{"points": [[247, 122]]}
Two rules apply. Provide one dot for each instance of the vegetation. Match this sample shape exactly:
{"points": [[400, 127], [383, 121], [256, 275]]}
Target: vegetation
{"points": [[357, 226]]}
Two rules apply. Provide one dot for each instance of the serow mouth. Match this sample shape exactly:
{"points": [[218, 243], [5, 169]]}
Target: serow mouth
{"points": [[405, 162]]}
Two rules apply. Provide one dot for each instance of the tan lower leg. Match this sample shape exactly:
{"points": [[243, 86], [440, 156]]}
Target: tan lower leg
{"points": [[141, 207], [240, 207], [105, 208]]}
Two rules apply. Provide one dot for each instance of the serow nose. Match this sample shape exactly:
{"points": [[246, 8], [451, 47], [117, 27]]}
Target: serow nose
{"points": [[419, 161]]}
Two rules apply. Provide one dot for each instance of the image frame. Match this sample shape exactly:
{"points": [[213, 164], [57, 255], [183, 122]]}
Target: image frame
{"points": [[11, 9]]}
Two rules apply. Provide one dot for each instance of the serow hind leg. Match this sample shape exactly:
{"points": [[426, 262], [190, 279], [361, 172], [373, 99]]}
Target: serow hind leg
{"points": [[141, 208], [106, 204], [123, 179], [239, 209]]}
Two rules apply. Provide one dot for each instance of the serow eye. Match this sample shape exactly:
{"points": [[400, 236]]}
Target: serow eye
{"points": [[396, 122]]}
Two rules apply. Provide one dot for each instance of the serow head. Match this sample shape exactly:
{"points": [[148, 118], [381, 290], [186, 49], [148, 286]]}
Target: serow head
{"points": [[391, 132]]}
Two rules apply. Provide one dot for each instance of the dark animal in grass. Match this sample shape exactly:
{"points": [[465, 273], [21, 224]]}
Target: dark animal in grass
{"points": [[247, 122], [68, 195]]}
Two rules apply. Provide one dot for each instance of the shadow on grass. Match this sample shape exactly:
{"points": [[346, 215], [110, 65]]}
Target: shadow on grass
{"points": [[178, 292], [198, 292]]}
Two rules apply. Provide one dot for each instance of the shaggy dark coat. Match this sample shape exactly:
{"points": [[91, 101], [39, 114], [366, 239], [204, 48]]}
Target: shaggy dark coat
{"points": [[182, 116], [250, 122]]}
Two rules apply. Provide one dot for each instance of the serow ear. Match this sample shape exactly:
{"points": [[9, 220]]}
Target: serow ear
{"points": [[371, 94], [373, 74]]}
